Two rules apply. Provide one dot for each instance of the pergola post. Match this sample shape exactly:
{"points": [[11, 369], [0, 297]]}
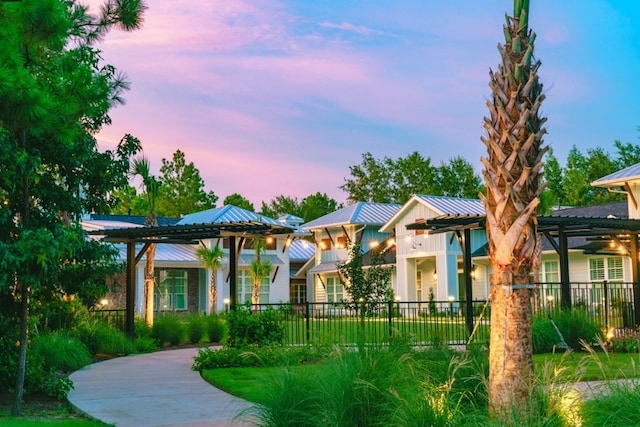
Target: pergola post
{"points": [[565, 285], [468, 289], [129, 325], [233, 272], [635, 268]]}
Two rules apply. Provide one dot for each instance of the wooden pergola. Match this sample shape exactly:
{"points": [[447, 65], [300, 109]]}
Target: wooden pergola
{"points": [[237, 232], [557, 230]]}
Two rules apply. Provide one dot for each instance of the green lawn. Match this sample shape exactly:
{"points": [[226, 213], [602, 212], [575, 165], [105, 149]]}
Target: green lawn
{"points": [[249, 383]]}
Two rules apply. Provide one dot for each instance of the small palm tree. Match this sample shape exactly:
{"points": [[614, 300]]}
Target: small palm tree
{"points": [[151, 186], [258, 271], [211, 259]]}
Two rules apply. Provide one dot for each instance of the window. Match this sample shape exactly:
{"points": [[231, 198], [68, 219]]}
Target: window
{"points": [[341, 242], [612, 272], [550, 272], [171, 290], [325, 244], [419, 285], [298, 293], [245, 288], [419, 231], [335, 290]]}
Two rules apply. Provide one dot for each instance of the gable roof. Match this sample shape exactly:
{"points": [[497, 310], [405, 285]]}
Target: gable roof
{"points": [[361, 213], [225, 214], [443, 205], [630, 173], [301, 250]]}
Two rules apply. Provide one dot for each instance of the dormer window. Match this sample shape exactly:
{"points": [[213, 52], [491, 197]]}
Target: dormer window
{"points": [[341, 242]]}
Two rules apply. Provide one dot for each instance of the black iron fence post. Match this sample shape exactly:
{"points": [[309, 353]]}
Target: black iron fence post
{"points": [[390, 311], [307, 321], [605, 287]]}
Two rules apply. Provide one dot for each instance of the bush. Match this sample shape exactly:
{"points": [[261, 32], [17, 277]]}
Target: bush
{"points": [[145, 345], [216, 328], [544, 335], [247, 328], [61, 351], [196, 328], [102, 338], [576, 326], [168, 330], [228, 357]]}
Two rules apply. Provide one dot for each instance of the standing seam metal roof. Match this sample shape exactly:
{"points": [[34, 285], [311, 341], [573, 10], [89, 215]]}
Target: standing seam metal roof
{"points": [[629, 173], [364, 213], [454, 205], [226, 214]]}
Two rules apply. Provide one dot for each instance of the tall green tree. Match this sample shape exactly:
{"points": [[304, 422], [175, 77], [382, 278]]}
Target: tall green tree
{"points": [[56, 94], [457, 179], [239, 201], [311, 207], [211, 259], [141, 168], [316, 205], [396, 180], [182, 191], [512, 172], [280, 205], [365, 284]]}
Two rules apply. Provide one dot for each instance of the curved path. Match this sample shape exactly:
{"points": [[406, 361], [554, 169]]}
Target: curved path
{"points": [[157, 389]]}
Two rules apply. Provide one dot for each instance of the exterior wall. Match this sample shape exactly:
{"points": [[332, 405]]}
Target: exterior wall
{"points": [[335, 254]]}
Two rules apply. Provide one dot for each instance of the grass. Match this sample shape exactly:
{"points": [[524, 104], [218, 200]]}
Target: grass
{"points": [[43, 411], [249, 383]]}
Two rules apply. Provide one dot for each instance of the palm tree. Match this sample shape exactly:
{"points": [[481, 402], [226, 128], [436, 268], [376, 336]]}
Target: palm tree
{"points": [[211, 258], [512, 173], [151, 186], [258, 271]]}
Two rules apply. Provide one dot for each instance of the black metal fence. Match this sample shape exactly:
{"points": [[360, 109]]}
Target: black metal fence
{"points": [[428, 322]]}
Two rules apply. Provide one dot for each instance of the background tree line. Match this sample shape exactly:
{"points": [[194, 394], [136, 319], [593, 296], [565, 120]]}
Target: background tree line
{"points": [[388, 180]]}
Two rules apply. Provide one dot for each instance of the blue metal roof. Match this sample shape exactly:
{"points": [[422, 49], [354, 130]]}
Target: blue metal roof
{"points": [[631, 173], [453, 205], [225, 214], [301, 250], [363, 213]]}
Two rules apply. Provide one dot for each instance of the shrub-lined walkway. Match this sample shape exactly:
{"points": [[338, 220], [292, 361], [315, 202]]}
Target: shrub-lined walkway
{"points": [[157, 389]]}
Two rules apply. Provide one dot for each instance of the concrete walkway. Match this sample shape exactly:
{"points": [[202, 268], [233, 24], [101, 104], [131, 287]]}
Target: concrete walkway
{"points": [[157, 389]]}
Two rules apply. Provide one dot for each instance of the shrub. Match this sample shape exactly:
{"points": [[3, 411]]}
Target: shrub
{"points": [[247, 328], [145, 345], [168, 330], [544, 335], [141, 329], [61, 351], [228, 357], [102, 338], [576, 326], [196, 328], [216, 328]]}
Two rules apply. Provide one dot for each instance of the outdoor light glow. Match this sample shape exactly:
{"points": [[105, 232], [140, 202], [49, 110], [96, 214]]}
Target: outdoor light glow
{"points": [[549, 298], [397, 298], [407, 237], [104, 301], [269, 239], [392, 242], [226, 300], [373, 243], [451, 298]]}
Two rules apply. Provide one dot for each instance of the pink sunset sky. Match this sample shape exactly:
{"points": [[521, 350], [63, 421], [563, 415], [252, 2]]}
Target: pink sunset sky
{"points": [[273, 98]]}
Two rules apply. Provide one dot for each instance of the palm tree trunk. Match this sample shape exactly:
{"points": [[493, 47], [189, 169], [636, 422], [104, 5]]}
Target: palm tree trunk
{"points": [[149, 284], [512, 172], [213, 293]]}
